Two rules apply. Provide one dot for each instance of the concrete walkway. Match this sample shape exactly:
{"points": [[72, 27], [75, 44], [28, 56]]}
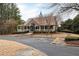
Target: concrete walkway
{"points": [[30, 52]]}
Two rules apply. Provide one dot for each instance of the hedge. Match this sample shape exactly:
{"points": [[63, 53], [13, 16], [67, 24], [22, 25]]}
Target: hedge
{"points": [[71, 38]]}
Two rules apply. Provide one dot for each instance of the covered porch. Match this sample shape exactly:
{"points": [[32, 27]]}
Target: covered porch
{"points": [[41, 28]]}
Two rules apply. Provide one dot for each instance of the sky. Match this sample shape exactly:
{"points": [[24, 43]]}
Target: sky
{"points": [[30, 10]]}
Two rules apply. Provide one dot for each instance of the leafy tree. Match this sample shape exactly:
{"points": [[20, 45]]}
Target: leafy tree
{"points": [[72, 25], [67, 24], [9, 17], [75, 24]]}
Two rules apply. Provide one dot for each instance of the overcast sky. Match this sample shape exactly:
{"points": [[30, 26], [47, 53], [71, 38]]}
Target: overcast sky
{"points": [[29, 10]]}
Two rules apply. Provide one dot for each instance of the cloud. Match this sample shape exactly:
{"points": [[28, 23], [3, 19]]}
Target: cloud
{"points": [[30, 10], [39, 5], [27, 12]]}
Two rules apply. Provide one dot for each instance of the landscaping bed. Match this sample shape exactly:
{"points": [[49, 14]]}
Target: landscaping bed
{"points": [[72, 40], [74, 43]]}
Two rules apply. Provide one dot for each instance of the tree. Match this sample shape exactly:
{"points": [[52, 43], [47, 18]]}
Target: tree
{"points": [[63, 7], [75, 24], [68, 8], [9, 17], [67, 24], [72, 24]]}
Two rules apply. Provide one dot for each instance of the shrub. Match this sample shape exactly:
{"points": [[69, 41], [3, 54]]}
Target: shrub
{"points": [[20, 32], [72, 38]]}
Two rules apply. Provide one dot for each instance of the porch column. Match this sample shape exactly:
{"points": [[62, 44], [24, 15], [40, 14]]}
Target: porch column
{"points": [[22, 29], [44, 29], [26, 28], [39, 28]]}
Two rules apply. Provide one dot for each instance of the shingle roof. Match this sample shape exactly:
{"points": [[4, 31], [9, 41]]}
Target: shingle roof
{"points": [[47, 20]]}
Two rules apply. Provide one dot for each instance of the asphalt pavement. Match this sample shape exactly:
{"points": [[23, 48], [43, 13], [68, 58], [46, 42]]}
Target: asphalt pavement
{"points": [[44, 45]]}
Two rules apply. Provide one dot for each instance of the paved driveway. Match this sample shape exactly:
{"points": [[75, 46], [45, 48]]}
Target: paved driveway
{"points": [[44, 45]]}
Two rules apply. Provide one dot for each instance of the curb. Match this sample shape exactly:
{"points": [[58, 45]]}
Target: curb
{"points": [[30, 52]]}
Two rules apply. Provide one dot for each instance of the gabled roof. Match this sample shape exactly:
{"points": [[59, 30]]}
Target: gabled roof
{"points": [[46, 20]]}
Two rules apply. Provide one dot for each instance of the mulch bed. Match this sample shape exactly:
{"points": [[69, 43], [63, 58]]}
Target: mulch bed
{"points": [[72, 43]]}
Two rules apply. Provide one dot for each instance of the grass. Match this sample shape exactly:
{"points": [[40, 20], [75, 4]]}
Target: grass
{"points": [[10, 47]]}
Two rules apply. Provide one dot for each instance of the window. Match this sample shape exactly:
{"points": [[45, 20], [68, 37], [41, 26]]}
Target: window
{"points": [[42, 27], [37, 27], [25, 27], [51, 27], [28, 27], [19, 27], [46, 27]]}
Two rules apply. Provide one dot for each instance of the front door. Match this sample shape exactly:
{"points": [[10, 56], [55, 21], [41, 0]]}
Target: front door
{"points": [[32, 27]]}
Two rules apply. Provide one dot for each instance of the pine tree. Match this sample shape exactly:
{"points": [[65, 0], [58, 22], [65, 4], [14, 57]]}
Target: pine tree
{"points": [[9, 12]]}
